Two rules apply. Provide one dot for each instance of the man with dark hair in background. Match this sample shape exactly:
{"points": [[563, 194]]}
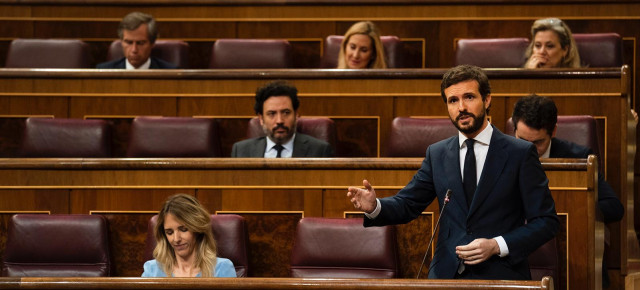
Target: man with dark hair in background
{"points": [[138, 33], [534, 119], [277, 108]]}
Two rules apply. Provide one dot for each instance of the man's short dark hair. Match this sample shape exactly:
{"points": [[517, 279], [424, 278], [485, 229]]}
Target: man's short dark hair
{"points": [[537, 112], [133, 20], [276, 88], [463, 73]]}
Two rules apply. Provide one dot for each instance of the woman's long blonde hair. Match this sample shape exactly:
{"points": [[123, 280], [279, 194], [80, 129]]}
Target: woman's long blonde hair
{"points": [[189, 212], [565, 37], [378, 59]]}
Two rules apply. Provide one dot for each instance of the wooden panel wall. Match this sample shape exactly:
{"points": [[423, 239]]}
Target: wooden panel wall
{"points": [[272, 195]]}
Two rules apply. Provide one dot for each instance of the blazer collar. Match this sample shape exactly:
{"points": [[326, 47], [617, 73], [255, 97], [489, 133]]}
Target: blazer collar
{"points": [[259, 149], [300, 146], [452, 171]]}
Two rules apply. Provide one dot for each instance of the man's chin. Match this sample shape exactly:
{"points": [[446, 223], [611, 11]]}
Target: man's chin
{"points": [[466, 129], [280, 139], [465, 126]]}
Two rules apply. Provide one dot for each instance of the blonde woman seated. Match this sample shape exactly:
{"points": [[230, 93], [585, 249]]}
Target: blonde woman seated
{"points": [[361, 48], [552, 45], [185, 245]]}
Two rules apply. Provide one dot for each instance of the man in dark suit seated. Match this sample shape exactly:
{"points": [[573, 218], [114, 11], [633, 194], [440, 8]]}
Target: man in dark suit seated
{"points": [[501, 208], [534, 118], [138, 33], [277, 108]]}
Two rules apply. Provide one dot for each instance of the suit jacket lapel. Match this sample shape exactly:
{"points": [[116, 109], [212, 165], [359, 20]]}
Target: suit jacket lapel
{"points": [[300, 146], [493, 165], [260, 148], [154, 64], [452, 171], [122, 63]]}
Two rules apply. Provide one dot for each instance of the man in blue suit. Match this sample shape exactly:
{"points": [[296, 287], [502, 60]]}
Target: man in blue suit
{"points": [[501, 208], [138, 33]]}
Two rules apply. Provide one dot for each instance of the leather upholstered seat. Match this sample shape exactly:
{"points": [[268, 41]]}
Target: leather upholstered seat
{"points": [[48, 53], [44, 137], [410, 137], [173, 137], [599, 49], [343, 248], [251, 54], [491, 52], [544, 262], [41, 245]]}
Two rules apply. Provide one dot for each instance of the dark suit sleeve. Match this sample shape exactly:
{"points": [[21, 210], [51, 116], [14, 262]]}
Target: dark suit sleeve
{"points": [[157, 63], [327, 151], [410, 201], [234, 150], [608, 202], [539, 207], [114, 64]]}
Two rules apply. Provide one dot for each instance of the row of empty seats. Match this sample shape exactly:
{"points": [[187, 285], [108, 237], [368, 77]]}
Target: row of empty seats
{"points": [[323, 248], [198, 137], [595, 49]]}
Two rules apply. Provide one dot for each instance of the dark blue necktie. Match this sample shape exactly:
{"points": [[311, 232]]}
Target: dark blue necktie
{"points": [[469, 179], [278, 148]]}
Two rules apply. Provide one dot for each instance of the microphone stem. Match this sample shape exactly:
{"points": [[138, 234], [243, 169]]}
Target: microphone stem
{"points": [[433, 234]]}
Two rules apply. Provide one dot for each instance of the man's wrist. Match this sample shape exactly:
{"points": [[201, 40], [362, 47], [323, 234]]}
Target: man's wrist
{"points": [[376, 210]]}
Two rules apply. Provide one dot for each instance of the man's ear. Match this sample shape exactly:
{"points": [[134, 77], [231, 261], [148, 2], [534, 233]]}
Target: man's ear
{"points": [[487, 102], [553, 134], [260, 117]]}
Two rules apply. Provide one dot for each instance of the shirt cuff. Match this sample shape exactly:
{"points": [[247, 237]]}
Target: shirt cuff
{"points": [[504, 250], [375, 212]]}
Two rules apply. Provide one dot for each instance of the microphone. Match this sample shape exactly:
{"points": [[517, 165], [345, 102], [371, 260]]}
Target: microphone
{"points": [[444, 205]]}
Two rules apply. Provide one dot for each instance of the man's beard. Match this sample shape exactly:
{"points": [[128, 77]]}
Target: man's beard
{"points": [[281, 139], [475, 125]]}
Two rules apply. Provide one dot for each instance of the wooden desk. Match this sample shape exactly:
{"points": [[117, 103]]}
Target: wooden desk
{"points": [[264, 283], [270, 192]]}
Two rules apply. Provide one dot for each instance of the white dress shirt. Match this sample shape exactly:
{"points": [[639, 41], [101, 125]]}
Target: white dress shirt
{"points": [[287, 152], [145, 65]]}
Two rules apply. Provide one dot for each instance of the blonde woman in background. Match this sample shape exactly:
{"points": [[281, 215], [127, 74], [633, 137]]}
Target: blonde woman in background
{"points": [[362, 48], [185, 245], [552, 45]]}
